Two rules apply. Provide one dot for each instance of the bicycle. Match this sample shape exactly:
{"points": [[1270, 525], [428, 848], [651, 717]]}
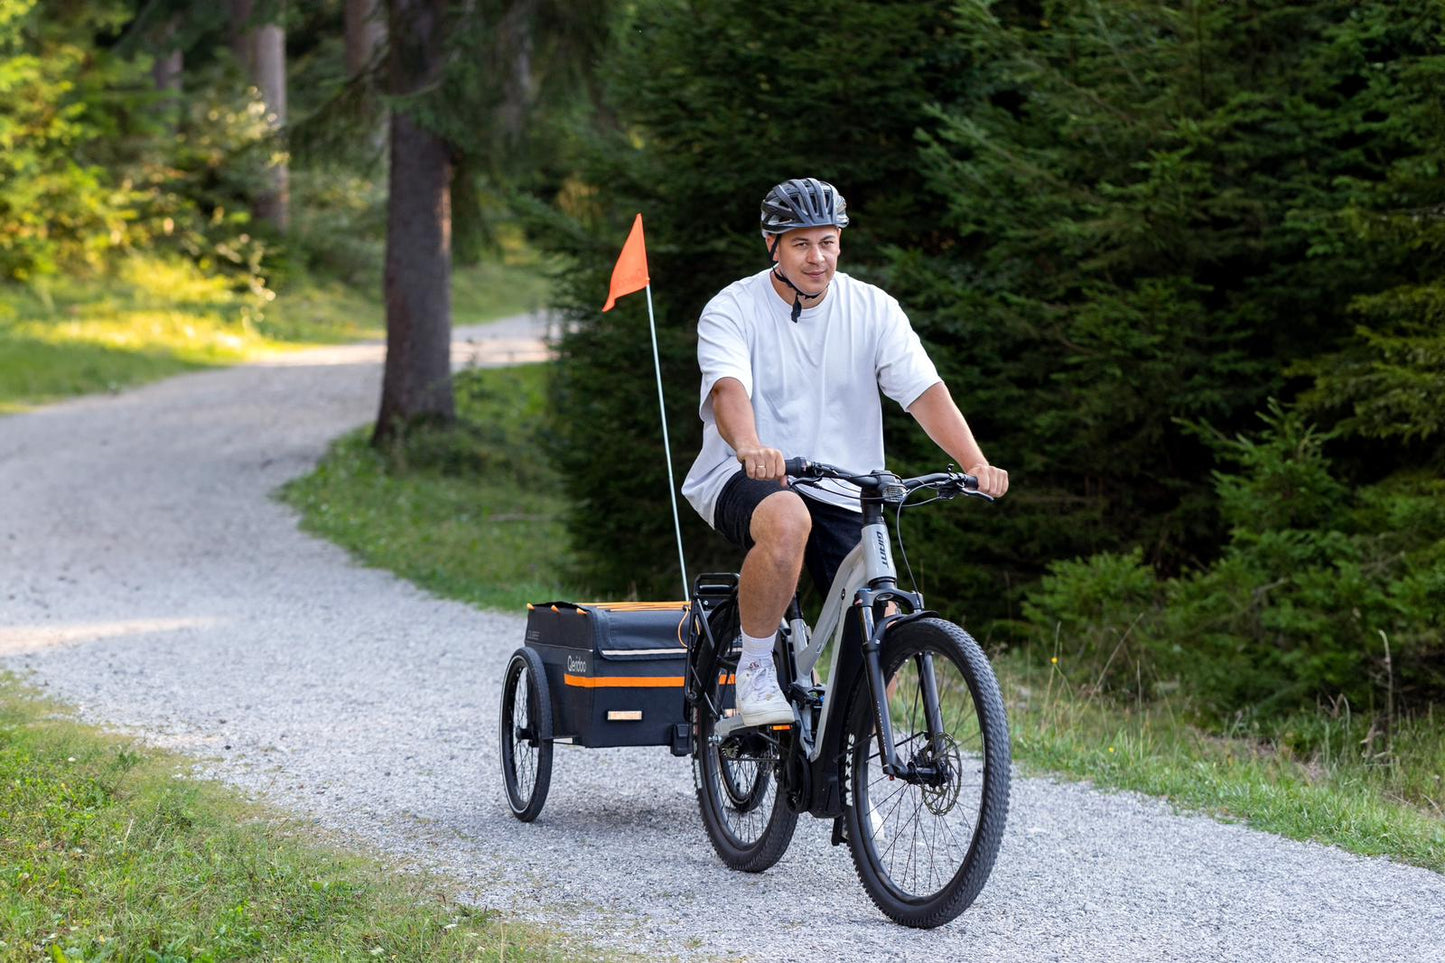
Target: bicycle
{"points": [[905, 744]]}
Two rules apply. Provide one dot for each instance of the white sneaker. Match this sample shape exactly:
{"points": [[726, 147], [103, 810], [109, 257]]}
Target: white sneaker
{"points": [[759, 700]]}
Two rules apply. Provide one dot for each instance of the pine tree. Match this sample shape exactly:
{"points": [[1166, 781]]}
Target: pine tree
{"points": [[1150, 204]]}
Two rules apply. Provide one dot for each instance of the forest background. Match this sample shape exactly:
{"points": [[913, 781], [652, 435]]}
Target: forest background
{"points": [[1180, 263]]}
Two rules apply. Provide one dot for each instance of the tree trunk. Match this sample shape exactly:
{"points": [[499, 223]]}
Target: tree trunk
{"points": [[417, 382], [365, 32], [166, 73], [515, 35], [240, 33], [268, 58]]}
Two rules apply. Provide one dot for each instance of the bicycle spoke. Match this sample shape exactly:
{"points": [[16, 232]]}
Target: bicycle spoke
{"points": [[921, 827], [523, 750], [739, 774]]}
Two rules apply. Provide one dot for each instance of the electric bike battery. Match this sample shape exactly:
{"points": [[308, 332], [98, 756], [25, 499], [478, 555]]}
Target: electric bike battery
{"points": [[615, 671]]}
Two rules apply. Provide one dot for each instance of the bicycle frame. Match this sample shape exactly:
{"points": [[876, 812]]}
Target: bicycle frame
{"points": [[866, 587], [942, 792]]}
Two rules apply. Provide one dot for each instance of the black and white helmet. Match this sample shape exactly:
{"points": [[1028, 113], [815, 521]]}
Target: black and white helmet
{"points": [[803, 202]]}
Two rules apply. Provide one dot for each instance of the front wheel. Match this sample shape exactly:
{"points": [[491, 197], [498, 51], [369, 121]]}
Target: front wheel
{"points": [[747, 818], [923, 843], [526, 734]]}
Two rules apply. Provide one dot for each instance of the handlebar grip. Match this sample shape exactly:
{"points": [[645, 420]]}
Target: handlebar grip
{"points": [[970, 482], [798, 467]]}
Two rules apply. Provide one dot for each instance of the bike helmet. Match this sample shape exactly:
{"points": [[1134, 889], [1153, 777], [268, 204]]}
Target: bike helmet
{"points": [[800, 203], [803, 202]]}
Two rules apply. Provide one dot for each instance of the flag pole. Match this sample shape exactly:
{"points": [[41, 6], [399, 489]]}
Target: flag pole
{"points": [[666, 445]]}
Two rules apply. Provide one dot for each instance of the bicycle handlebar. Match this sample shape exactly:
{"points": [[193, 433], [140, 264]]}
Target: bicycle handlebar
{"points": [[959, 482]]}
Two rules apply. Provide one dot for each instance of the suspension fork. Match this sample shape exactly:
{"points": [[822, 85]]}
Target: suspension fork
{"points": [[874, 604], [878, 691], [931, 704], [876, 623]]}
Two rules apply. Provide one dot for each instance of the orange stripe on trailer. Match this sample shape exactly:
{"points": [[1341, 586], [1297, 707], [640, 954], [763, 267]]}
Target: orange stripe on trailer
{"points": [[636, 682], [635, 606], [623, 682]]}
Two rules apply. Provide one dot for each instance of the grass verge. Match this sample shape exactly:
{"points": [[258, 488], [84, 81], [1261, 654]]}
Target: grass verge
{"points": [[1350, 793], [473, 513], [155, 317], [472, 519], [108, 853], [152, 318]]}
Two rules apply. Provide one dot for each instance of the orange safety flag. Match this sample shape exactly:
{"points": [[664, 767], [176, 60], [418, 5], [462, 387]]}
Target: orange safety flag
{"points": [[630, 274]]}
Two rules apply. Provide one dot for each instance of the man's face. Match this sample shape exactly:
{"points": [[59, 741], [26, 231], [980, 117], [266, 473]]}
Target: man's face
{"points": [[809, 256]]}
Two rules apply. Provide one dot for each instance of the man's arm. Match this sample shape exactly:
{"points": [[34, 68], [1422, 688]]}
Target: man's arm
{"points": [[936, 412], [733, 411]]}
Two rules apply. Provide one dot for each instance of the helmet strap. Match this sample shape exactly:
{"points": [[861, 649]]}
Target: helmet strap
{"points": [[798, 293]]}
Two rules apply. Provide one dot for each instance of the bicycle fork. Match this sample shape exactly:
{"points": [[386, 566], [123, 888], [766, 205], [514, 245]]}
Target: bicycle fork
{"points": [[874, 630]]}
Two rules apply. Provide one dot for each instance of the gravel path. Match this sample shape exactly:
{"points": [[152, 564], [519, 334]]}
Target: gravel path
{"points": [[147, 576]]}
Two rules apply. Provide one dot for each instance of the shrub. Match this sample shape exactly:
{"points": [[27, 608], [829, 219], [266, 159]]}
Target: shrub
{"points": [[90, 169], [1323, 592], [1091, 607]]}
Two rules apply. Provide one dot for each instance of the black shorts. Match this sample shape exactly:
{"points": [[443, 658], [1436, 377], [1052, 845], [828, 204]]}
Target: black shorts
{"points": [[835, 530]]}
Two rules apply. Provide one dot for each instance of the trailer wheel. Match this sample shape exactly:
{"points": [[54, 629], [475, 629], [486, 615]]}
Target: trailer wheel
{"points": [[526, 734]]}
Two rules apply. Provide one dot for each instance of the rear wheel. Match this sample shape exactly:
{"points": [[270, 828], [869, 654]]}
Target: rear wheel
{"points": [[747, 818], [526, 734], [924, 843]]}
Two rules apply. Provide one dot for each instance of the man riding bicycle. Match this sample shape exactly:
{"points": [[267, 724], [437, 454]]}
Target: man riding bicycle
{"points": [[793, 359]]}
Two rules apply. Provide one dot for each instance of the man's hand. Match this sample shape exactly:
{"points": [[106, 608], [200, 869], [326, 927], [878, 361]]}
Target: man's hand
{"points": [[992, 480], [734, 412], [764, 464]]}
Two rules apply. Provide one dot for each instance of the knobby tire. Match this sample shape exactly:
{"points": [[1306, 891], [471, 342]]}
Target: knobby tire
{"points": [[923, 850]]}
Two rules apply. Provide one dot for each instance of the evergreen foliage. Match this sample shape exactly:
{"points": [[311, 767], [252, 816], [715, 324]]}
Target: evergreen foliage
{"points": [[1158, 211], [1385, 384], [1112, 224], [1322, 591]]}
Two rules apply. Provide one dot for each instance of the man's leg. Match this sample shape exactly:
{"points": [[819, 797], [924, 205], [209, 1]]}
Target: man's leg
{"points": [[769, 579], [779, 529]]}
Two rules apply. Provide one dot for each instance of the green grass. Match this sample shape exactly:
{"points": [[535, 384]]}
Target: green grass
{"points": [[1363, 795], [153, 318], [107, 852], [473, 513], [479, 518], [486, 292]]}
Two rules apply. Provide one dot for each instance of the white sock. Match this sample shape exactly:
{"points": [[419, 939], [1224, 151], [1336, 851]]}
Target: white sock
{"points": [[757, 650]]}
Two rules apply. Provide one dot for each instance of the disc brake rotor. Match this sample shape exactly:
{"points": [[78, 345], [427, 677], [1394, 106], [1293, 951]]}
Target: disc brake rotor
{"points": [[940, 794]]}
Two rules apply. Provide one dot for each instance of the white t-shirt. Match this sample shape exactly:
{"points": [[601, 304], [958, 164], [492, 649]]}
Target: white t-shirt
{"points": [[814, 384]]}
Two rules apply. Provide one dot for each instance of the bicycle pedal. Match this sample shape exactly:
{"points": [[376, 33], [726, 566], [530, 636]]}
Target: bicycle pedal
{"points": [[810, 696]]}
